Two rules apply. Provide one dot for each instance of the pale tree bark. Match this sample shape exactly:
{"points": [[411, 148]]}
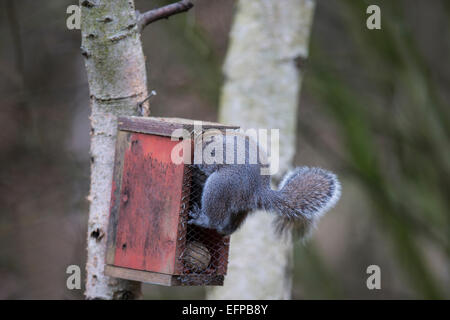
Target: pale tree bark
{"points": [[115, 65], [261, 91]]}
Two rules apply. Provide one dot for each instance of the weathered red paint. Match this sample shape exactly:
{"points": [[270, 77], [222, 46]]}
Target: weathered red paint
{"points": [[149, 205]]}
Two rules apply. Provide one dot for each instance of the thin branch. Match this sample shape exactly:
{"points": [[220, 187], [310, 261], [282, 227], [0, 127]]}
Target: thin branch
{"points": [[165, 12]]}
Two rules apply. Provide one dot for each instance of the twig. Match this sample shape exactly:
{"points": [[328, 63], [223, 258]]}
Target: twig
{"points": [[140, 104], [165, 12]]}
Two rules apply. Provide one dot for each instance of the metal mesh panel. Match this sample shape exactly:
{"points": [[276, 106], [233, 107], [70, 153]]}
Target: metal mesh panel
{"points": [[203, 253]]}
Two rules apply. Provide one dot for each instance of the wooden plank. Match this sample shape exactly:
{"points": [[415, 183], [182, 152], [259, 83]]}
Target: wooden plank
{"points": [[138, 275], [150, 204], [183, 218], [226, 250], [161, 278], [164, 126], [122, 143], [184, 213], [198, 280]]}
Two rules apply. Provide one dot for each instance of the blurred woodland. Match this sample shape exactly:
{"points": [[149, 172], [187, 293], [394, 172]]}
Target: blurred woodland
{"points": [[374, 108]]}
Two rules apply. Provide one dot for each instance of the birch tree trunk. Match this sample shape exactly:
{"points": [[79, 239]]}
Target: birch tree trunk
{"points": [[115, 65], [261, 91]]}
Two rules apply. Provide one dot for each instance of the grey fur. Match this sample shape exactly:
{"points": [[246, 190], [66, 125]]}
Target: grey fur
{"points": [[232, 191]]}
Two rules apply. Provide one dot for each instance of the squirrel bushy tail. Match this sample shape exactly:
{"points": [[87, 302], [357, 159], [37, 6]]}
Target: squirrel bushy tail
{"points": [[304, 195]]}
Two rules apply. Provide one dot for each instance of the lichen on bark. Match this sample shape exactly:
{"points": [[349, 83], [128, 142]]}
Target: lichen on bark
{"points": [[115, 66]]}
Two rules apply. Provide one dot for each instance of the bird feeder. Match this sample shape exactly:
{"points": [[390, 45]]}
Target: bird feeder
{"points": [[148, 238]]}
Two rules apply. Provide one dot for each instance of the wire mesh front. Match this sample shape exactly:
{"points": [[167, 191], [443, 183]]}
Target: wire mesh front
{"points": [[203, 254]]}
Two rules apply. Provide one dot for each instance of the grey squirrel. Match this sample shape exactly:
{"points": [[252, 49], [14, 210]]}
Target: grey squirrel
{"points": [[232, 190]]}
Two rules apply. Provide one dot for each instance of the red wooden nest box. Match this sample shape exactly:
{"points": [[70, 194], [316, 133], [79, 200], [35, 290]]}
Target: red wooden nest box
{"points": [[148, 237]]}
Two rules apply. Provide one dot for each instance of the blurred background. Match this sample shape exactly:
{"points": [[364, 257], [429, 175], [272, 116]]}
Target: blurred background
{"points": [[374, 108]]}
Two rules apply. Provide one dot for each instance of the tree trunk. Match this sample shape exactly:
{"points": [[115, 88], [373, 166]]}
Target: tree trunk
{"points": [[115, 65], [261, 91]]}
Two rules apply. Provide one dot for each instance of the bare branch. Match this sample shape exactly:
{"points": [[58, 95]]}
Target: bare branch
{"points": [[165, 12]]}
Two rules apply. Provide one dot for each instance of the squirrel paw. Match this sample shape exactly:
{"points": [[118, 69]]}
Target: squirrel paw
{"points": [[194, 213], [197, 217]]}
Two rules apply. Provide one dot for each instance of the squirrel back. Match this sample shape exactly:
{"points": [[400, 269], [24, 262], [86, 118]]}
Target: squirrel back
{"points": [[233, 190]]}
